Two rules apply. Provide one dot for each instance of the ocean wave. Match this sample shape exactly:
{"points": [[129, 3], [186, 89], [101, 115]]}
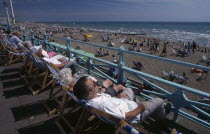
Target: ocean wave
{"points": [[176, 35]]}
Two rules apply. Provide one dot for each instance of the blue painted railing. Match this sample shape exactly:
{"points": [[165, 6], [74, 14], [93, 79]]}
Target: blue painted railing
{"points": [[178, 97]]}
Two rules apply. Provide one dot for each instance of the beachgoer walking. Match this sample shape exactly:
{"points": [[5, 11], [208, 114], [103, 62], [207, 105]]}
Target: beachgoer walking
{"points": [[188, 47], [193, 47]]}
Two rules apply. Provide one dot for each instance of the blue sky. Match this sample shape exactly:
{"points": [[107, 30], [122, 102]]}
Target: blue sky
{"points": [[110, 10]]}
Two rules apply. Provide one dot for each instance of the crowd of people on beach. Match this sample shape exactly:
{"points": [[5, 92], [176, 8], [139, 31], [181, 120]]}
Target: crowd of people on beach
{"points": [[102, 52]]}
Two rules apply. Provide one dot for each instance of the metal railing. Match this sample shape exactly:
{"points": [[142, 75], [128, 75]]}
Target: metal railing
{"points": [[93, 65]]}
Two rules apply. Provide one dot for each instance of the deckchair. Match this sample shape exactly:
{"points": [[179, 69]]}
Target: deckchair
{"points": [[90, 112], [13, 55], [42, 75], [3, 52], [28, 67], [54, 75], [1, 46]]}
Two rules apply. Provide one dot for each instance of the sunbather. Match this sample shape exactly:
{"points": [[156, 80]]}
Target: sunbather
{"points": [[85, 88], [56, 59], [138, 65], [182, 52], [172, 76], [182, 78], [16, 42]]}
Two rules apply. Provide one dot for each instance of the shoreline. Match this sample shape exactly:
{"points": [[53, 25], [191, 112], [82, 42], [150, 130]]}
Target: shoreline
{"points": [[62, 25], [164, 31]]}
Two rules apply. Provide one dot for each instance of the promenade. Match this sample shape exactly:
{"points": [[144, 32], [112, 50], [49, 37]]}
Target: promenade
{"points": [[22, 113]]}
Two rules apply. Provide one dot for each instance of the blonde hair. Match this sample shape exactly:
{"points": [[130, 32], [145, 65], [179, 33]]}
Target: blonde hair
{"points": [[65, 76]]}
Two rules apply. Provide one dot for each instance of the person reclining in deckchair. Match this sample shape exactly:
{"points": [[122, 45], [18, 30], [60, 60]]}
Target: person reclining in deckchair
{"points": [[16, 42], [182, 52], [182, 78], [56, 59], [86, 89]]}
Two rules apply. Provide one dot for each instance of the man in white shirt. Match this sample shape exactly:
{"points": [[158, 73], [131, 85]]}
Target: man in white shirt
{"points": [[86, 89]]}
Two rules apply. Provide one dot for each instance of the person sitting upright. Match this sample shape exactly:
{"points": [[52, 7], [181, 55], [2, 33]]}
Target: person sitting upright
{"points": [[122, 108]]}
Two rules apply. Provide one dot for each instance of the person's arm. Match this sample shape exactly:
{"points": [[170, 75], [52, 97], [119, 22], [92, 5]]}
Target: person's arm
{"points": [[60, 65], [141, 107], [107, 83], [61, 60]]}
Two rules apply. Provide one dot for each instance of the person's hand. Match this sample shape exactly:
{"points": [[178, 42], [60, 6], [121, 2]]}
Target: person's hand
{"points": [[143, 106], [122, 95], [103, 90]]}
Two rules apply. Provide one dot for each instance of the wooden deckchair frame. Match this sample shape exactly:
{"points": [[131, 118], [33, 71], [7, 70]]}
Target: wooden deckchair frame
{"points": [[28, 67], [51, 95], [43, 82], [13, 55]]}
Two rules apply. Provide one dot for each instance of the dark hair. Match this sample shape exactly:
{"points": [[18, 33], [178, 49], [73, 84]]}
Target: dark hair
{"points": [[81, 89]]}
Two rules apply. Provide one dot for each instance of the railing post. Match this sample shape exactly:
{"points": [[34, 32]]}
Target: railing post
{"points": [[120, 77], [46, 41], [88, 65], [32, 37], [24, 35], [68, 48]]}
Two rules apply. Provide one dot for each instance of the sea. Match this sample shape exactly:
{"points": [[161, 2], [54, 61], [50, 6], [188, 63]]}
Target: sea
{"points": [[169, 31]]}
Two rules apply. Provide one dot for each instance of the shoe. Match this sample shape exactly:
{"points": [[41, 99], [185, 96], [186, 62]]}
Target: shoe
{"points": [[167, 108]]}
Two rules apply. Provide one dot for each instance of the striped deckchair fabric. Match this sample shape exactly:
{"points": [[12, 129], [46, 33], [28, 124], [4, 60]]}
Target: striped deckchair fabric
{"points": [[13, 55], [42, 77], [54, 75]]}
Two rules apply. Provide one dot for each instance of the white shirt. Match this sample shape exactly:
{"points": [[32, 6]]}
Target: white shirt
{"points": [[115, 106], [54, 59]]}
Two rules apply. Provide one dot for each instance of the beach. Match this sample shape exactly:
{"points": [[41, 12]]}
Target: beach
{"points": [[152, 66]]}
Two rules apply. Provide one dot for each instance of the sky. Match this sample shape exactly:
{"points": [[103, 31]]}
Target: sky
{"points": [[110, 10]]}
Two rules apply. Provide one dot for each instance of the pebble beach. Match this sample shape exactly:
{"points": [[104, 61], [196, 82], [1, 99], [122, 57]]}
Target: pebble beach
{"points": [[152, 66]]}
